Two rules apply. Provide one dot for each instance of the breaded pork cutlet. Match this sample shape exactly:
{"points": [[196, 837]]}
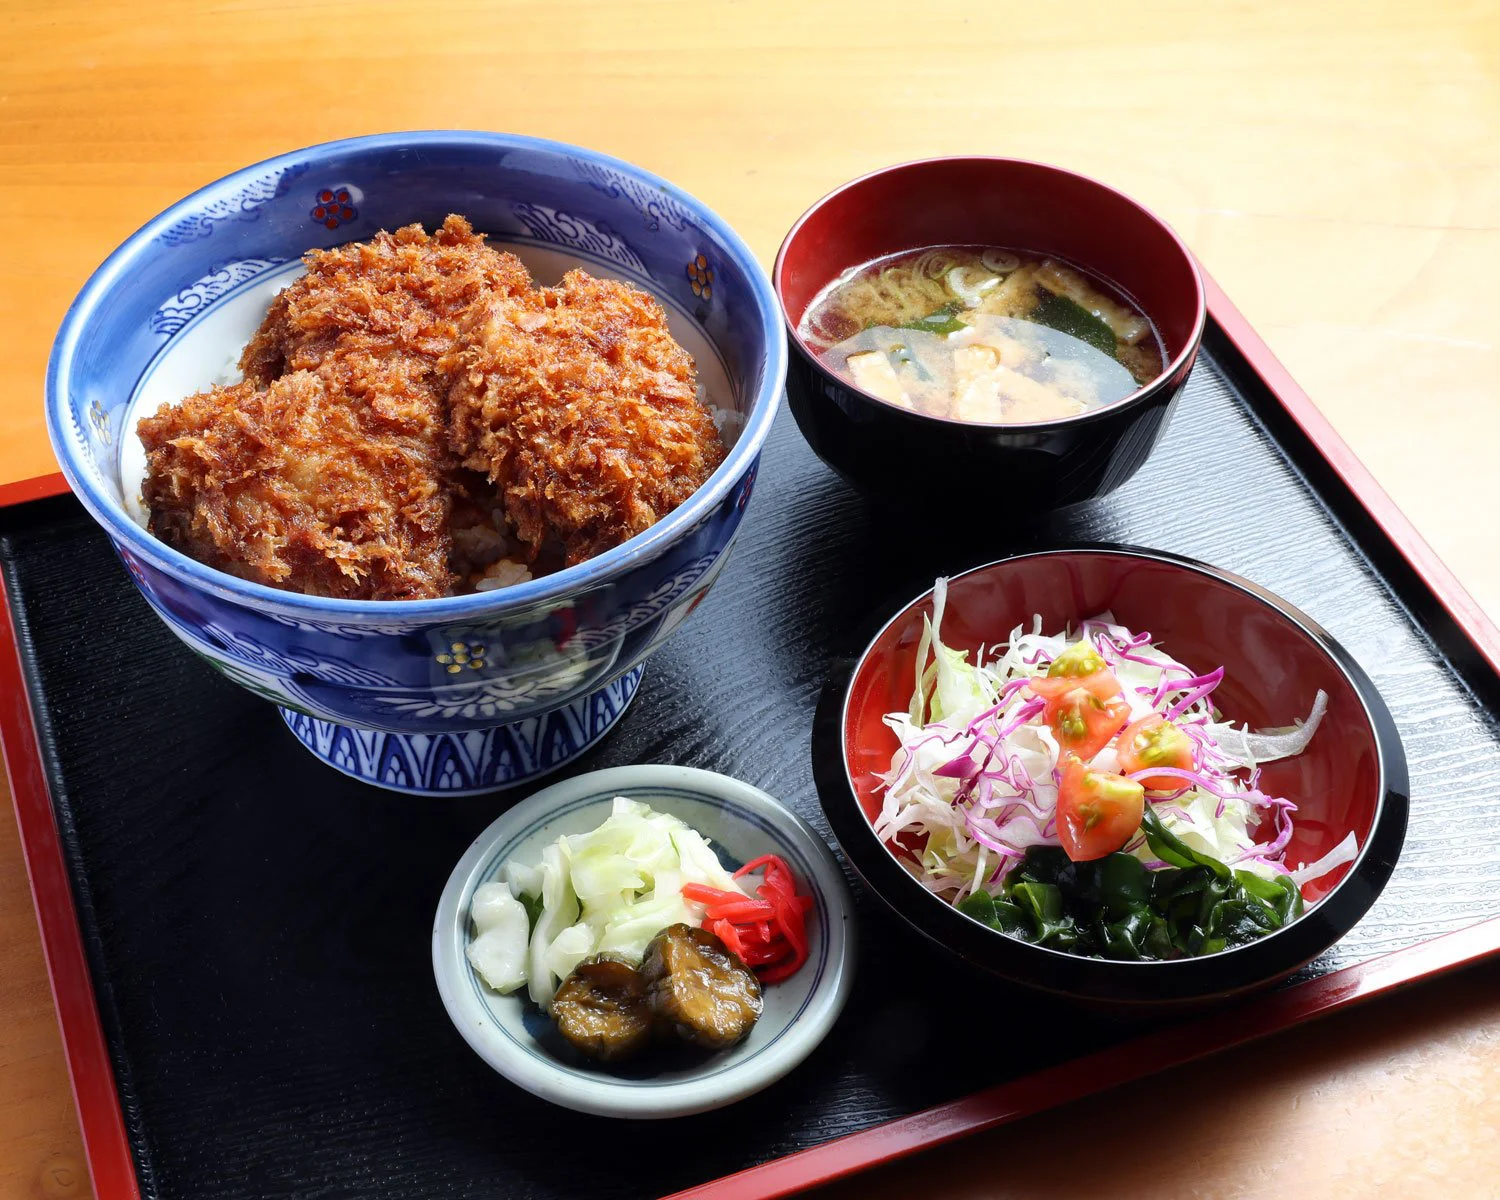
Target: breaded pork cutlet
{"points": [[401, 293], [328, 470], [332, 482], [388, 384], [582, 410]]}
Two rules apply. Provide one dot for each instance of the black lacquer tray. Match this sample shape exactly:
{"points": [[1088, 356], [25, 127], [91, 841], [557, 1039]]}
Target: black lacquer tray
{"points": [[256, 926]]}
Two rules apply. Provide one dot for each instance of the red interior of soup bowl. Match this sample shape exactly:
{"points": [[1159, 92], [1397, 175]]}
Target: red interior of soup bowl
{"points": [[1273, 670], [1003, 202]]}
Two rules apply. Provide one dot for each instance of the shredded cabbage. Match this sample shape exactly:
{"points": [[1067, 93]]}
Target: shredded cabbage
{"points": [[607, 891], [498, 951], [975, 780], [559, 910], [1247, 749], [1345, 852]]}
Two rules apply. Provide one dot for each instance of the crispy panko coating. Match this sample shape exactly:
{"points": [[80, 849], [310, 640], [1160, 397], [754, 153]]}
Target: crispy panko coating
{"points": [[327, 471], [582, 410], [333, 482], [401, 293], [417, 418]]}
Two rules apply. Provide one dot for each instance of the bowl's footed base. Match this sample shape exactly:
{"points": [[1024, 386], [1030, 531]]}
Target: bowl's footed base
{"points": [[467, 764]]}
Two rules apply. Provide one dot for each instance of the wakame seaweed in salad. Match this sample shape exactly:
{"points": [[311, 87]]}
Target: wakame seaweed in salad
{"points": [[1082, 793]]}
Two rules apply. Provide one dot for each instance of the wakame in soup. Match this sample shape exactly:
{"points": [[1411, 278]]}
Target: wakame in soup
{"points": [[974, 333]]}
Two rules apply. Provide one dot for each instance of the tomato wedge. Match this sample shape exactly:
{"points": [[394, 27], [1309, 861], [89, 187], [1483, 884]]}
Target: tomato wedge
{"points": [[1154, 741], [1097, 811], [1099, 684], [1076, 661], [1084, 711]]}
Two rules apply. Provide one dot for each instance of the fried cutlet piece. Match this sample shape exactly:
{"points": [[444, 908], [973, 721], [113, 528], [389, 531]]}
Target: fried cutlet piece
{"points": [[400, 293], [332, 482], [582, 410], [327, 471]]}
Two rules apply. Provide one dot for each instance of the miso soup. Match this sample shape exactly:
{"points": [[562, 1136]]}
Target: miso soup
{"points": [[975, 333]]}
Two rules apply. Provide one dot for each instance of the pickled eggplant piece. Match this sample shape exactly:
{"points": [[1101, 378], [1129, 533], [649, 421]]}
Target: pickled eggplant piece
{"points": [[602, 1009], [698, 988]]}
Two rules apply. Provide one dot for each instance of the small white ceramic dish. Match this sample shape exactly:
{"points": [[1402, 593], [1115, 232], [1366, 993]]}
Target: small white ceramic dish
{"points": [[742, 822]]}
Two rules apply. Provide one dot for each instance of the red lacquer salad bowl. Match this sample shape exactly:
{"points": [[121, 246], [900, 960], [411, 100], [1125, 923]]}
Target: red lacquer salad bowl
{"points": [[1338, 802]]}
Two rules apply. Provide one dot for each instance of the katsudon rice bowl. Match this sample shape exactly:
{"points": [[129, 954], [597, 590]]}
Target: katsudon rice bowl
{"points": [[500, 627]]}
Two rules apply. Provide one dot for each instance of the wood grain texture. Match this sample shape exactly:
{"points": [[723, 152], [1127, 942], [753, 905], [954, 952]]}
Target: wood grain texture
{"points": [[1296, 1115], [1334, 165], [260, 945]]}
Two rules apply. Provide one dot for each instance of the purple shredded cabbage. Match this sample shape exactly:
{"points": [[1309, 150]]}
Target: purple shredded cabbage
{"points": [[1199, 687], [1216, 787], [996, 790]]}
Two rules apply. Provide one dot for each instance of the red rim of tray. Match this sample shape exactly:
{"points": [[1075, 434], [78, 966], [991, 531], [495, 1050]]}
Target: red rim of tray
{"points": [[106, 1143]]}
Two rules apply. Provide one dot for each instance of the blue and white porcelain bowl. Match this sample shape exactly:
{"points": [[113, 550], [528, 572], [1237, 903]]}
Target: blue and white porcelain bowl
{"points": [[743, 822], [447, 696]]}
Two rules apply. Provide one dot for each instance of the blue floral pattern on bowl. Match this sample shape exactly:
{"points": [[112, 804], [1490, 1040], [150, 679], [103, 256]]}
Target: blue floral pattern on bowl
{"points": [[464, 764], [335, 207], [701, 278], [554, 644]]}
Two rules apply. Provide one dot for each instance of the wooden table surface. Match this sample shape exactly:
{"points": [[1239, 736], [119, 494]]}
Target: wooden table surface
{"points": [[1335, 165]]}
